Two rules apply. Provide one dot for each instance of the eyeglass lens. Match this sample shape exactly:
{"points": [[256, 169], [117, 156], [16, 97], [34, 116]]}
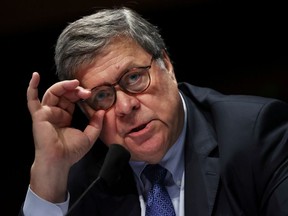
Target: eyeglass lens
{"points": [[134, 81]]}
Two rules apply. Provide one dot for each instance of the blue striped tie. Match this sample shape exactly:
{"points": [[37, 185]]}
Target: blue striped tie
{"points": [[158, 201]]}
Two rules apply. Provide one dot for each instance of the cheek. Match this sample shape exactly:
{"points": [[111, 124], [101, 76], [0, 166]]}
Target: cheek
{"points": [[165, 99], [167, 104]]}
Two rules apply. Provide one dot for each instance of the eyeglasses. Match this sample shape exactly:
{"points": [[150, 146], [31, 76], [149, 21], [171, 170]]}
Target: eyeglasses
{"points": [[134, 81]]}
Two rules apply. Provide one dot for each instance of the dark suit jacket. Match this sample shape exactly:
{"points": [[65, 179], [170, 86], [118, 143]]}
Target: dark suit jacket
{"points": [[236, 161]]}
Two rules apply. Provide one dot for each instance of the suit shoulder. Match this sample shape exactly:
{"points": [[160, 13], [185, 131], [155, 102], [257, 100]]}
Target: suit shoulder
{"points": [[211, 97]]}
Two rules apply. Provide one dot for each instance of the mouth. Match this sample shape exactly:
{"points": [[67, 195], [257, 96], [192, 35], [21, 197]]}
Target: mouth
{"points": [[138, 128], [141, 133]]}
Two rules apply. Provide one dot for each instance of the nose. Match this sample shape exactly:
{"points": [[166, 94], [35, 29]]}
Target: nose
{"points": [[125, 103]]}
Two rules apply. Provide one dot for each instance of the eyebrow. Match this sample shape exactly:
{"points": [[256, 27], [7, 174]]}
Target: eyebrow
{"points": [[122, 73], [126, 71]]}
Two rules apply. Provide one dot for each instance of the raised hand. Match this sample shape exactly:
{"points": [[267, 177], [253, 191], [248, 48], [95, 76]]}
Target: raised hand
{"points": [[57, 145]]}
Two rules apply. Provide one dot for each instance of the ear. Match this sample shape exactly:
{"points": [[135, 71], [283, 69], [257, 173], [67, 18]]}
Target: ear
{"points": [[168, 65]]}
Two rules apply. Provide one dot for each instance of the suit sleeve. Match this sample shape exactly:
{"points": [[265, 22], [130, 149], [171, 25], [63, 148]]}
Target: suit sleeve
{"points": [[271, 174]]}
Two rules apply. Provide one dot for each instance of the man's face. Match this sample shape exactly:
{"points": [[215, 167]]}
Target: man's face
{"points": [[146, 124]]}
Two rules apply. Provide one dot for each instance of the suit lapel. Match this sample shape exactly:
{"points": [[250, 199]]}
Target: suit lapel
{"points": [[201, 163]]}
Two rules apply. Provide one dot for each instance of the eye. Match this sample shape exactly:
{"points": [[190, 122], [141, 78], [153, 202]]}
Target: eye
{"points": [[103, 94], [135, 81], [131, 78]]}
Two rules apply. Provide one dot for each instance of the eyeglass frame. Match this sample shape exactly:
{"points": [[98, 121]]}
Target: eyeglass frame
{"points": [[145, 69]]}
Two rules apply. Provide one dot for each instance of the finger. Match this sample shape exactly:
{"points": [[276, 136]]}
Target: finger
{"points": [[95, 126], [66, 105], [68, 89], [32, 93], [74, 96], [53, 94]]}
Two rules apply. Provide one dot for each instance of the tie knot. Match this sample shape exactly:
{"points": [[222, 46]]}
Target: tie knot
{"points": [[155, 173]]}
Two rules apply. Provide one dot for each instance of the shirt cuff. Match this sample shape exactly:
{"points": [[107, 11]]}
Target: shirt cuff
{"points": [[35, 205]]}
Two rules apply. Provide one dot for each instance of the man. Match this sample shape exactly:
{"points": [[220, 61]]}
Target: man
{"points": [[225, 155]]}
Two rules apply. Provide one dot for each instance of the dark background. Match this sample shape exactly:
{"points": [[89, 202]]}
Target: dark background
{"points": [[236, 48]]}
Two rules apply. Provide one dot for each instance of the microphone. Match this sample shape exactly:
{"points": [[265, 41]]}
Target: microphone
{"points": [[115, 160]]}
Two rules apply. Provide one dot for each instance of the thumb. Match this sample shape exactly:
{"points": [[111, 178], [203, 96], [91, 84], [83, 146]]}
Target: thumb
{"points": [[93, 129]]}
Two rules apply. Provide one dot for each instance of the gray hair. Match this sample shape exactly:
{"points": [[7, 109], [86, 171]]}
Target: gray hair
{"points": [[83, 39]]}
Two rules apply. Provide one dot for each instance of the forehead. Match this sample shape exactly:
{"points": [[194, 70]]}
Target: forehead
{"points": [[120, 55]]}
